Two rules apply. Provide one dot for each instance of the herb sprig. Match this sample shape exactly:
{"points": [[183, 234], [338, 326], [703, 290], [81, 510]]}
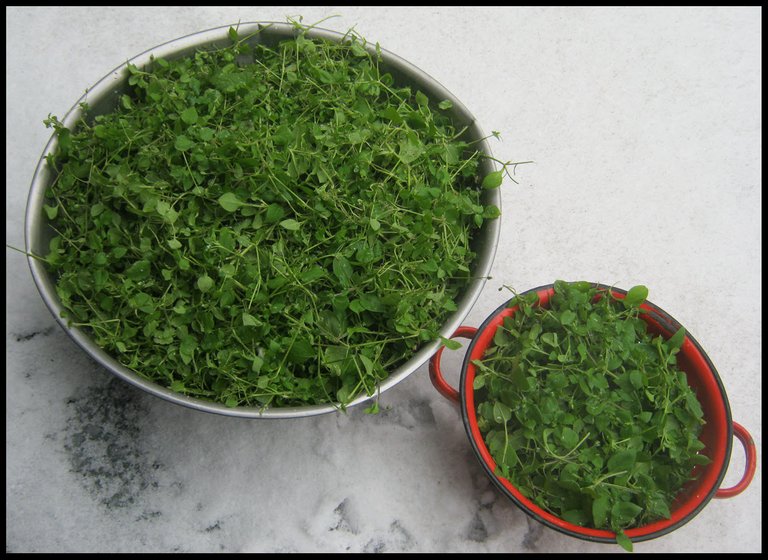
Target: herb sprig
{"points": [[265, 226], [586, 412]]}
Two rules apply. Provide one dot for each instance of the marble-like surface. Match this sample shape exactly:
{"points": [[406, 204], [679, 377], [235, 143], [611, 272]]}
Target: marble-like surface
{"points": [[645, 128]]}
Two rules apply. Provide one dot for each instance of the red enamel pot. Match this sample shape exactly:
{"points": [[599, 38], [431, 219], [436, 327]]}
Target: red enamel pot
{"points": [[717, 434]]}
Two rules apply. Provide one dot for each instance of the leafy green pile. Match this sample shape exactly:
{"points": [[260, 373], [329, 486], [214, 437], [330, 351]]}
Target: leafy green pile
{"points": [[265, 226], [585, 412]]}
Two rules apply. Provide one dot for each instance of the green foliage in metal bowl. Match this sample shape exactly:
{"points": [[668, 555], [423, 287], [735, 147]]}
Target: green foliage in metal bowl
{"points": [[265, 225]]}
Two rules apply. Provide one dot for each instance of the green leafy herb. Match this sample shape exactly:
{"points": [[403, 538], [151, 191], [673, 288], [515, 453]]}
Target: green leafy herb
{"points": [[265, 225], [624, 541], [586, 412], [492, 180], [450, 343]]}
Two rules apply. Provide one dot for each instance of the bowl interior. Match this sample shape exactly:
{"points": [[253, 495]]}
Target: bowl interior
{"points": [[716, 434], [104, 96]]}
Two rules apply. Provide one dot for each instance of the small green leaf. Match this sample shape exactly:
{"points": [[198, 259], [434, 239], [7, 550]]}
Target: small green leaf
{"points": [[142, 302], [358, 50], [256, 364], [290, 224], [445, 104], [372, 302], [501, 412], [206, 134], [624, 541], [600, 508], [491, 212], [187, 349], [392, 114], [636, 296], [660, 508], [230, 202], [501, 337], [343, 270], [51, 211], [139, 270], [183, 143], [250, 321], [567, 317], [367, 364], [493, 180], [344, 394], [204, 283], [274, 213], [411, 149], [301, 351], [450, 343], [312, 274], [549, 338], [622, 513], [189, 116], [451, 154], [676, 340], [622, 460], [373, 409], [700, 460], [576, 516], [569, 438]]}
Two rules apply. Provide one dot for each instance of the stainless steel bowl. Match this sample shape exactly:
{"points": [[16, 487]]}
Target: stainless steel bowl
{"points": [[103, 98]]}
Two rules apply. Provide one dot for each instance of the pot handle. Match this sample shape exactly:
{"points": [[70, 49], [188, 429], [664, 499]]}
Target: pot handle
{"points": [[749, 471], [434, 367]]}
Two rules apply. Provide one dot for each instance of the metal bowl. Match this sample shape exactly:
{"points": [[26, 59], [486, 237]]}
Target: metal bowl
{"points": [[103, 97]]}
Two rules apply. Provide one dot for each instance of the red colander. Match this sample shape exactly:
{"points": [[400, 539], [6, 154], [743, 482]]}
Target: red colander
{"points": [[717, 433]]}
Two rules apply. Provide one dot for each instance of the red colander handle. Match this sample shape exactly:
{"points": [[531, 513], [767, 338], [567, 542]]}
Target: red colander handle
{"points": [[436, 375], [749, 470]]}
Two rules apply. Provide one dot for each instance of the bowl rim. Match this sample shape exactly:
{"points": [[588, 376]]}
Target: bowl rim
{"points": [[636, 534], [34, 217]]}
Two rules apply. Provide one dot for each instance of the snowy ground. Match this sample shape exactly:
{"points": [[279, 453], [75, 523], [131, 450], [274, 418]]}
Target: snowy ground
{"points": [[645, 129]]}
